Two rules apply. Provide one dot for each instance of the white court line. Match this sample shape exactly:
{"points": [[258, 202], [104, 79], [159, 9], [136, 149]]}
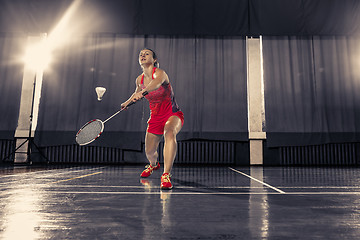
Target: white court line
{"points": [[191, 187], [252, 178], [202, 193], [68, 172], [322, 187], [147, 187], [73, 178], [50, 170], [170, 192], [46, 175]]}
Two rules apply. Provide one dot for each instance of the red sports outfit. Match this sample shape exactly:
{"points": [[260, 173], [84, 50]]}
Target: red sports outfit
{"points": [[162, 106]]}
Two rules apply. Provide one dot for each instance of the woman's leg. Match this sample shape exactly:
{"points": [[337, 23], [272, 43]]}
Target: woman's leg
{"points": [[172, 128], [151, 145]]}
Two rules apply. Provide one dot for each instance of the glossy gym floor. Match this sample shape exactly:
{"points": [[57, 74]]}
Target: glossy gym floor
{"points": [[113, 202]]}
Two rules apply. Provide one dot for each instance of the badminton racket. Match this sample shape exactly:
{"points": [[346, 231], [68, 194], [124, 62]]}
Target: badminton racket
{"points": [[94, 128]]}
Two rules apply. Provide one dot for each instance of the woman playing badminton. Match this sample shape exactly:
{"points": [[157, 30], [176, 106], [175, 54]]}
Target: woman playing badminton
{"points": [[166, 118]]}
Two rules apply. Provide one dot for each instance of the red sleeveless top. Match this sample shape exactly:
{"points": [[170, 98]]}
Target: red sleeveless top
{"points": [[161, 101]]}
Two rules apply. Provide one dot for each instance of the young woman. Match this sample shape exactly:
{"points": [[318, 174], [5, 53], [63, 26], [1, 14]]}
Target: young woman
{"points": [[166, 118]]}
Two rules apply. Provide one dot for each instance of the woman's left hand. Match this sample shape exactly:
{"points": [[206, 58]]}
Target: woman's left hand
{"points": [[137, 96]]}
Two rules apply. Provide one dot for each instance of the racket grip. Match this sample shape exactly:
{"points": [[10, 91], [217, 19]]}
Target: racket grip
{"points": [[131, 103], [144, 94]]}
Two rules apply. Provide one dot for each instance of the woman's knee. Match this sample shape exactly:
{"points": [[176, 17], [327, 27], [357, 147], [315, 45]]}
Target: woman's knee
{"points": [[151, 152], [170, 135], [151, 145], [172, 127]]}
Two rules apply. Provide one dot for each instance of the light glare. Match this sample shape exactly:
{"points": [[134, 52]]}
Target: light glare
{"points": [[38, 56]]}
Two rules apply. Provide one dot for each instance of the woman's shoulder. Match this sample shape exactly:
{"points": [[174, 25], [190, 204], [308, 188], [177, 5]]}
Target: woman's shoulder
{"points": [[162, 74], [160, 71], [138, 79]]}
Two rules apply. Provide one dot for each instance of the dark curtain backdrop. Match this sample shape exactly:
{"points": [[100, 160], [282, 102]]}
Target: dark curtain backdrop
{"points": [[312, 87], [187, 17], [208, 76], [305, 17], [12, 48]]}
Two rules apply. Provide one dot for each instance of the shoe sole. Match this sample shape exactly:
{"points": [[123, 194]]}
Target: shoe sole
{"points": [[145, 176]]}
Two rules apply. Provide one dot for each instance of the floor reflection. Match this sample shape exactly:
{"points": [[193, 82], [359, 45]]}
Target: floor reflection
{"points": [[21, 213], [258, 206], [148, 206], [151, 223], [206, 203], [166, 222]]}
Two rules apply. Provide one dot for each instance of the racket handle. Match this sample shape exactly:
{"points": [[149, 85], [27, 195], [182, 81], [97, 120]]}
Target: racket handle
{"points": [[131, 103]]}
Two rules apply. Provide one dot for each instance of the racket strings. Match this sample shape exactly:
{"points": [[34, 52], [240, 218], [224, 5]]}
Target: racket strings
{"points": [[89, 132]]}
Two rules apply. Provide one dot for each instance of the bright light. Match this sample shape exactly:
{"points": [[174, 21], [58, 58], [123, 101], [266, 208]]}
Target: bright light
{"points": [[38, 56], [67, 26]]}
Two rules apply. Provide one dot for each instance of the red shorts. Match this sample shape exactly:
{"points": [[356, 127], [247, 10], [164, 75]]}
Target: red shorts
{"points": [[156, 125]]}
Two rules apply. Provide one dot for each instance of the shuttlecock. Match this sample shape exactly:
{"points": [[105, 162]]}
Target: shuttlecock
{"points": [[100, 92]]}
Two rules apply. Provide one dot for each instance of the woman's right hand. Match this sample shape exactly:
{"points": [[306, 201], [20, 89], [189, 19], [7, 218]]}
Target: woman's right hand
{"points": [[124, 105]]}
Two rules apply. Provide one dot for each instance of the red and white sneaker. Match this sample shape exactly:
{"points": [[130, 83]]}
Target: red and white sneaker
{"points": [[149, 170], [166, 182]]}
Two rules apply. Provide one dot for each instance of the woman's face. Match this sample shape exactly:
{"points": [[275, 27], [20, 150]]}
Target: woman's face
{"points": [[146, 57]]}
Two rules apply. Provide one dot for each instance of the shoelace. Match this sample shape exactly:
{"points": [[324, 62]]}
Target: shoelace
{"points": [[165, 178], [149, 167]]}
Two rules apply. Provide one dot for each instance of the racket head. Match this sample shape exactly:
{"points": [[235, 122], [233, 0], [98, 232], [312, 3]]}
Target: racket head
{"points": [[89, 132]]}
